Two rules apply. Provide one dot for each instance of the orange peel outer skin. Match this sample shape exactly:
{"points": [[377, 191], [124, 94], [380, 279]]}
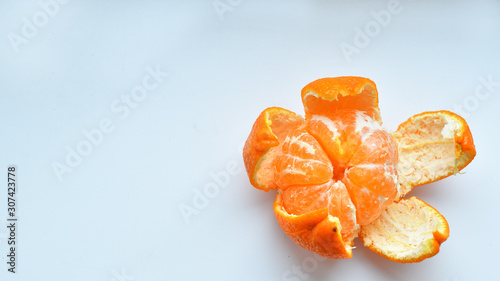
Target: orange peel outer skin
{"points": [[316, 231], [262, 138], [345, 91]]}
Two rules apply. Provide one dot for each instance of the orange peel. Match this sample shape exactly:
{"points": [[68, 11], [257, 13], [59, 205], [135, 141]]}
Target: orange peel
{"points": [[407, 231], [432, 145], [271, 127], [315, 231]]}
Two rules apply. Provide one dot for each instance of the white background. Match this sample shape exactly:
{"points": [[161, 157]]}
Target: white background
{"points": [[116, 215]]}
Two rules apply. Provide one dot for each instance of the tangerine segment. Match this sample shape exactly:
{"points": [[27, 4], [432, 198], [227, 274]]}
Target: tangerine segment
{"points": [[378, 147], [316, 231], [336, 135], [303, 199], [407, 231], [432, 146], [378, 178], [328, 95], [268, 131], [301, 161], [300, 200], [340, 205], [372, 188]]}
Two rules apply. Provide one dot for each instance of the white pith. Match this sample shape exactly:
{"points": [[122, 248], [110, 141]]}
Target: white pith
{"points": [[449, 130], [404, 229], [364, 121], [427, 151]]}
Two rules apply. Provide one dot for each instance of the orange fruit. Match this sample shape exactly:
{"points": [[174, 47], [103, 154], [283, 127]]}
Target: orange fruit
{"points": [[340, 174], [301, 160]]}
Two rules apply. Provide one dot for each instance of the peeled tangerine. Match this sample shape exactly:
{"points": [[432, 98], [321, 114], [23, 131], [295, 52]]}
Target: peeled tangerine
{"points": [[339, 174]]}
